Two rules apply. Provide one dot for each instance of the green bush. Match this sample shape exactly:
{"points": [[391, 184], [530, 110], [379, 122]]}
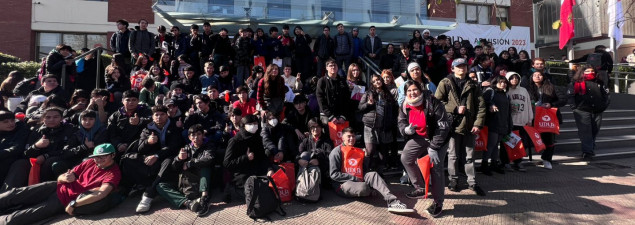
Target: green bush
{"points": [[8, 58], [29, 68], [106, 60]]}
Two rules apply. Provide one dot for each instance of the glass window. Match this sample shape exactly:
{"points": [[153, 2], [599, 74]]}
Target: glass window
{"points": [[476, 14], [46, 43], [471, 14], [483, 14], [94, 39], [334, 6], [501, 13], [279, 8], [76, 41], [379, 12]]}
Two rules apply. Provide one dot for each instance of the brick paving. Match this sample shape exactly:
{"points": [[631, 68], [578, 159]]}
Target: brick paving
{"points": [[602, 192]]}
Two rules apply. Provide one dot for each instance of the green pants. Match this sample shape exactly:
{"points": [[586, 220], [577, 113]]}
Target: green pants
{"points": [[176, 196]]}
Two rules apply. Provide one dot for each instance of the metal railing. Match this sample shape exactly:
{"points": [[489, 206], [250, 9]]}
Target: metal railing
{"points": [[620, 80], [99, 51], [371, 68]]}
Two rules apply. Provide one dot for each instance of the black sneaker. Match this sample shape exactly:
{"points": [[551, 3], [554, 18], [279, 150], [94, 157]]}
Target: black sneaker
{"points": [[434, 210], [204, 206], [496, 168], [587, 157], [454, 185], [484, 168], [192, 205], [477, 190], [227, 198], [417, 194]]}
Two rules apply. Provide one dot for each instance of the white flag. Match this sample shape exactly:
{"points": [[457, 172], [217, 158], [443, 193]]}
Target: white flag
{"points": [[616, 21]]}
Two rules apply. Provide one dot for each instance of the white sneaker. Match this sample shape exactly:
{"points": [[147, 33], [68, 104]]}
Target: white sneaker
{"points": [[144, 204], [546, 164]]}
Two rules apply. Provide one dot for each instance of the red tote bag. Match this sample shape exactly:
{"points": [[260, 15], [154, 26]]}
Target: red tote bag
{"points": [[260, 61], [282, 182], [353, 161], [517, 152], [546, 120], [535, 139], [289, 169], [425, 166], [335, 132], [481, 140]]}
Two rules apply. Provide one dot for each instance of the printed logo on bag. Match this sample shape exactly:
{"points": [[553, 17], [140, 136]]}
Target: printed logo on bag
{"points": [[352, 162], [546, 122], [284, 192], [546, 118]]}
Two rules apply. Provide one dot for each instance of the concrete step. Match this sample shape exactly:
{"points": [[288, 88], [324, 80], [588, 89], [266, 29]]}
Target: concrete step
{"points": [[605, 131], [603, 142], [567, 114], [606, 121]]}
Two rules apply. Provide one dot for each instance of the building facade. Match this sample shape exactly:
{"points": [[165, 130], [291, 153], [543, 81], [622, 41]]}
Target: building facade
{"points": [[39, 25]]}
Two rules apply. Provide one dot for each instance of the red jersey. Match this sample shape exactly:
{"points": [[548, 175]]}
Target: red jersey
{"points": [[89, 176]]}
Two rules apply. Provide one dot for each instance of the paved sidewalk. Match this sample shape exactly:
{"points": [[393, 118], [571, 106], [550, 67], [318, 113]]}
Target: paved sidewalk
{"points": [[602, 192]]}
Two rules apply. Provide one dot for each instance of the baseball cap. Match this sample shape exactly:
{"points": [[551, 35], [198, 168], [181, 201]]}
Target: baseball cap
{"points": [[168, 102], [103, 149], [459, 62]]}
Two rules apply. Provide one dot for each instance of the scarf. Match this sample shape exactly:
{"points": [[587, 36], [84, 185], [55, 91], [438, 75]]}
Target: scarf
{"points": [[579, 87], [415, 102]]}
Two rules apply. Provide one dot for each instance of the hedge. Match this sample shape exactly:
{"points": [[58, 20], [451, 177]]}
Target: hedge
{"points": [[29, 69], [8, 58]]}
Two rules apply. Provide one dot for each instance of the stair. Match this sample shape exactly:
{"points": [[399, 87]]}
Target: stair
{"points": [[617, 131]]}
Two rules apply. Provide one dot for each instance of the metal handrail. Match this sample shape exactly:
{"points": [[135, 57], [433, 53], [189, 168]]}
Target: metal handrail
{"points": [[99, 51], [620, 79]]}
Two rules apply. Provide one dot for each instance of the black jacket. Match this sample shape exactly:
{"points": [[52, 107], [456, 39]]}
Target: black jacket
{"points": [[324, 47], [197, 159], [222, 46], [319, 149], [276, 139], [76, 149], [58, 138], [333, 97], [370, 118], [164, 148], [55, 62], [297, 121], [499, 122], [438, 121], [120, 131], [236, 159], [244, 52], [369, 49], [595, 100], [12, 142], [301, 46], [119, 42]]}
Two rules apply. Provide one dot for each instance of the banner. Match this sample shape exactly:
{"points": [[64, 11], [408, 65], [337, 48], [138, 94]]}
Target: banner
{"points": [[517, 36]]}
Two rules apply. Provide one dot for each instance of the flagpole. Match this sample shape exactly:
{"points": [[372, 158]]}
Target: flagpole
{"points": [[570, 54], [612, 46]]}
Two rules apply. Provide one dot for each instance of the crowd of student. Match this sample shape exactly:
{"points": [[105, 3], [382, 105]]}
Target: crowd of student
{"points": [[179, 114]]}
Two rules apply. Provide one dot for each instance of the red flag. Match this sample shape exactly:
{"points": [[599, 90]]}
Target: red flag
{"points": [[566, 19]]}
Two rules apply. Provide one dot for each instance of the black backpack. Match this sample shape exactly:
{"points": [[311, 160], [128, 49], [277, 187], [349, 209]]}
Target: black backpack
{"points": [[261, 199]]}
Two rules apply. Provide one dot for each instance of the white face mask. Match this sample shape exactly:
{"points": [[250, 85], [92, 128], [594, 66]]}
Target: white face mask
{"points": [[251, 128], [273, 122]]}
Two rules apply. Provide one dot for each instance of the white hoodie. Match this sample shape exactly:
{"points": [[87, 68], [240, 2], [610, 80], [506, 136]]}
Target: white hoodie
{"points": [[522, 112]]}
